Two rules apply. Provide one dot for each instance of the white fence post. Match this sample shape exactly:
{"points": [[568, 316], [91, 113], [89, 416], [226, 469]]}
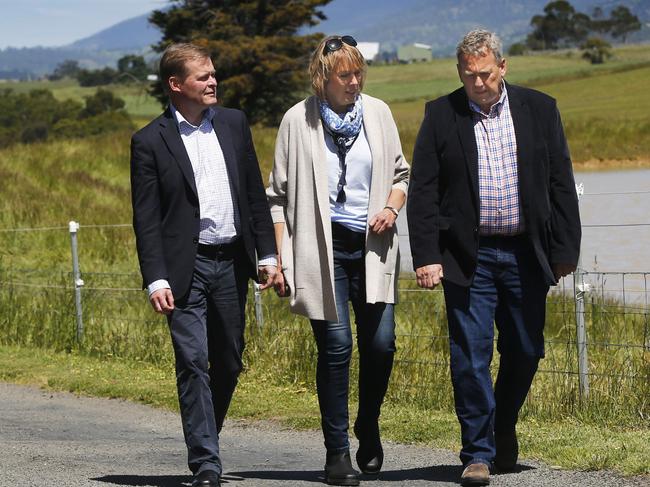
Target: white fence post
{"points": [[259, 314], [580, 288], [76, 276]]}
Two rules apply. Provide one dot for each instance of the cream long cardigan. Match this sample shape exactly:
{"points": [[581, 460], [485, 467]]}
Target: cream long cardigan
{"points": [[298, 195]]}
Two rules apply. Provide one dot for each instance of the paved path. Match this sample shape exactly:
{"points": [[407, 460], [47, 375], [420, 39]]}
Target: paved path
{"points": [[51, 439]]}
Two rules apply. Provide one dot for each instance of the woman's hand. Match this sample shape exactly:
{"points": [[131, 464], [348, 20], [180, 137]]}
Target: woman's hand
{"points": [[382, 221]]}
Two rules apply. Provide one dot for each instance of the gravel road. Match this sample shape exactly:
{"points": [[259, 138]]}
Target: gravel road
{"points": [[51, 439]]}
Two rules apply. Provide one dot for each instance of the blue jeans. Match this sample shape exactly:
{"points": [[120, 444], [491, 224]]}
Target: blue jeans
{"points": [[375, 339], [508, 289]]}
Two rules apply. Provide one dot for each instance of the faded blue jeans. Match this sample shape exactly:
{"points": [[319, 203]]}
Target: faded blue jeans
{"points": [[375, 339]]}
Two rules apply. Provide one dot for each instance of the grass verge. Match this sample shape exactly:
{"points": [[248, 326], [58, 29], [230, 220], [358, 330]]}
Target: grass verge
{"points": [[567, 443]]}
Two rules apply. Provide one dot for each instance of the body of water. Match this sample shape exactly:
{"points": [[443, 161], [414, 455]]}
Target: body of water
{"points": [[615, 212]]}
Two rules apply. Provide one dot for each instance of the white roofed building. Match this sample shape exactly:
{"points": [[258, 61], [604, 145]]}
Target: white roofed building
{"points": [[369, 50]]}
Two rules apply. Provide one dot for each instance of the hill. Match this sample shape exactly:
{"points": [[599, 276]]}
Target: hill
{"points": [[132, 35], [439, 23]]}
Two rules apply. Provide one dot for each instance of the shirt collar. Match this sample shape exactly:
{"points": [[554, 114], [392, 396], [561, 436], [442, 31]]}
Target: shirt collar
{"points": [[494, 109], [181, 121]]}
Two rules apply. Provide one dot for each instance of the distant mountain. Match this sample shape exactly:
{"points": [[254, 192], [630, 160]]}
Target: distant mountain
{"points": [[133, 35], [439, 23]]}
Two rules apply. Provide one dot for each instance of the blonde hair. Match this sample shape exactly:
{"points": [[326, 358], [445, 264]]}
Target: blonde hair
{"points": [[322, 64], [175, 58]]}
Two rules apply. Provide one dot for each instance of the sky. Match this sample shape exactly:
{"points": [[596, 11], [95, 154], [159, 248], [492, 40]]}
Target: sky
{"points": [[28, 23]]}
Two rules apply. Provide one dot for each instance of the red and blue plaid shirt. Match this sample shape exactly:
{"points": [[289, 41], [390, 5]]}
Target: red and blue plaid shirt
{"points": [[500, 211]]}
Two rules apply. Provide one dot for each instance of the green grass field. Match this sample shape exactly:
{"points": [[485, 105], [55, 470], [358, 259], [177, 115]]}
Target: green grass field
{"points": [[603, 106]]}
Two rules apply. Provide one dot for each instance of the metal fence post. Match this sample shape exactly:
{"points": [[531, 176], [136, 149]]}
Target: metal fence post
{"points": [[76, 276], [580, 288], [259, 314]]}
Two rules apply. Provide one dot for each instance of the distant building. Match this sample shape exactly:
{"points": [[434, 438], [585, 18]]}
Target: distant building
{"points": [[414, 53], [369, 50]]}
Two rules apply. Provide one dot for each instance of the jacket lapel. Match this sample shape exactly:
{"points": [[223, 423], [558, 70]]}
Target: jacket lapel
{"points": [[465, 125], [374, 135], [224, 136], [523, 124], [319, 159], [172, 138]]}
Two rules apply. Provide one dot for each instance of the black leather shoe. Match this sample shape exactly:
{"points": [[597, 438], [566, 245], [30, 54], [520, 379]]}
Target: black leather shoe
{"points": [[207, 478], [339, 471], [507, 450], [370, 455]]}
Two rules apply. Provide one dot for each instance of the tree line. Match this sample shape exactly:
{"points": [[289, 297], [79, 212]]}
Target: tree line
{"points": [[562, 26], [130, 68], [38, 116]]}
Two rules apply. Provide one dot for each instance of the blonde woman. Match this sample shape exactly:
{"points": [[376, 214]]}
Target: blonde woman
{"points": [[338, 183]]}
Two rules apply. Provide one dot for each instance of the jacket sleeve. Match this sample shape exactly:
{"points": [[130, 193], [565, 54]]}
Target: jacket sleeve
{"points": [[145, 198], [276, 192], [566, 229], [261, 224], [423, 196]]}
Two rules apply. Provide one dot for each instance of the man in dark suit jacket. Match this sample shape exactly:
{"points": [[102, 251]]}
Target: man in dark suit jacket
{"points": [[200, 216], [492, 208]]}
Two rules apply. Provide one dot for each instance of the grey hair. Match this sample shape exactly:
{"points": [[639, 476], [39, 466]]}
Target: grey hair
{"points": [[477, 41]]}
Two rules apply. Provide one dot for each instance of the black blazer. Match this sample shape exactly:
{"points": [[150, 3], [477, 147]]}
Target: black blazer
{"points": [[165, 201], [443, 199]]}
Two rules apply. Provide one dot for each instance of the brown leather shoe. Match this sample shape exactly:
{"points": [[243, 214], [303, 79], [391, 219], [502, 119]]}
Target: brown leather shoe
{"points": [[475, 474]]}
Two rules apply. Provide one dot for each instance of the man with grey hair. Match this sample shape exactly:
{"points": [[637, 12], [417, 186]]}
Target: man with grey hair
{"points": [[493, 215]]}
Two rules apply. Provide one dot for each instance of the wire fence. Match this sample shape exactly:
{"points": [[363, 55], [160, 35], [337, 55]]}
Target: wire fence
{"points": [[597, 332]]}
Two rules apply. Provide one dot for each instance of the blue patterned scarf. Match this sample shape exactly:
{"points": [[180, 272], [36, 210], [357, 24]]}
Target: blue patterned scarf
{"points": [[344, 132], [348, 126]]}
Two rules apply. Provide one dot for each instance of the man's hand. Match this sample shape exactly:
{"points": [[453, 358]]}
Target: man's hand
{"points": [[162, 301], [429, 276], [281, 287], [382, 221], [561, 270], [268, 274]]}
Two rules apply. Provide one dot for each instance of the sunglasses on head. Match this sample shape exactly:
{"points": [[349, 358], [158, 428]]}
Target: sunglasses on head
{"points": [[336, 43]]}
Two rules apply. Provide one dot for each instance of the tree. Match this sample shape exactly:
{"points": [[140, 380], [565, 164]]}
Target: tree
{"points": [[97, 77], [132, 68], [561, 26], [599, 23], [517, 49], [596, 50], [260, 59], [67, 69], [623, 22], [103, 101]]}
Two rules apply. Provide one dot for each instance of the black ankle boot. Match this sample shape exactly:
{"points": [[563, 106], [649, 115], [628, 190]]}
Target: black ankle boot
{"points": [[370, 455], [339, 471]]}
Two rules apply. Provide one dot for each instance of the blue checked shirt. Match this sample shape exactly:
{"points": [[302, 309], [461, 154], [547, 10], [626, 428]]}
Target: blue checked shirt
{"points": [[500, 211]]}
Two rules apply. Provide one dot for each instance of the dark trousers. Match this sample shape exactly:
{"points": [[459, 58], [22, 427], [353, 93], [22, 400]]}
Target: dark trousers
{"points": [[207, 330], [509, 289], [375, 339]]}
